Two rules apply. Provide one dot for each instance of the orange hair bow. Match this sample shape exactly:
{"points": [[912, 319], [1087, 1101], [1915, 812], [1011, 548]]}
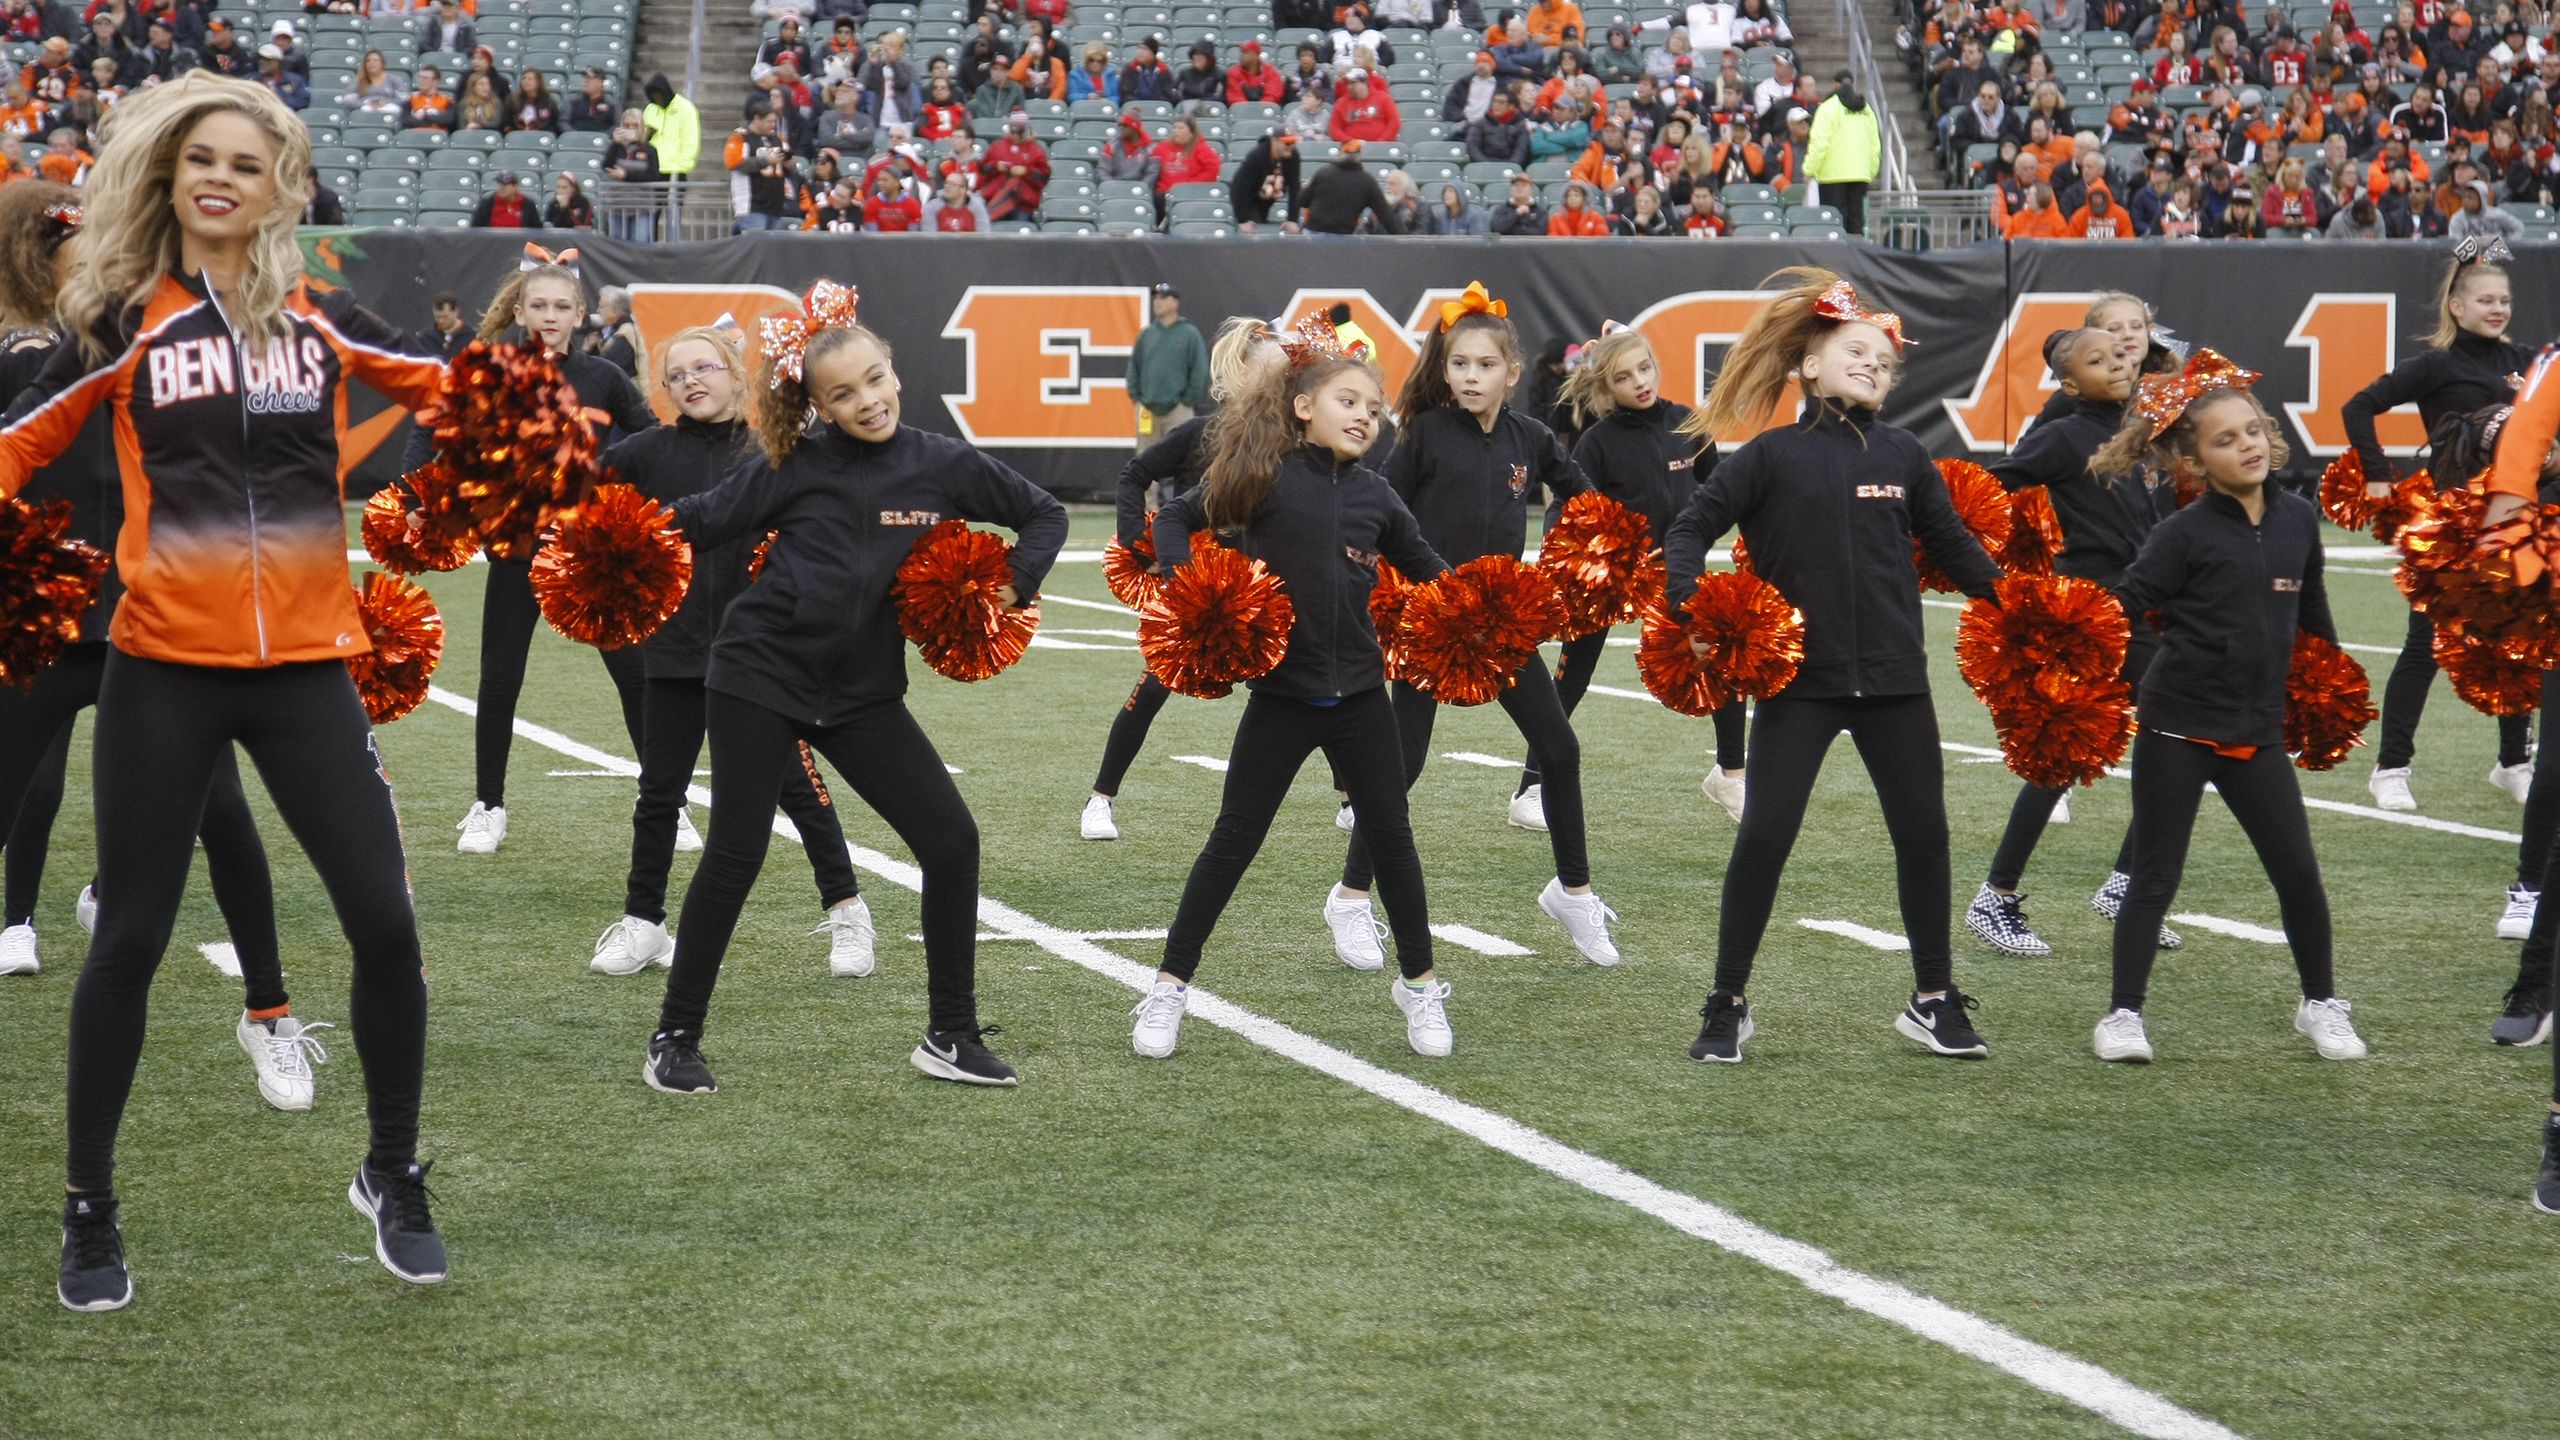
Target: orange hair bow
{"points": [[535, 257], [1476, 301], [827, 306], [2167, 397], [1840, 303]]}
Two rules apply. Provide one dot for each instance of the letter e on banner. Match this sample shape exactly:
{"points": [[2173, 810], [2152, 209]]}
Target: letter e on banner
{"points": [[1025, 368], [660, 311], [2014, 381], [2349, 337]]}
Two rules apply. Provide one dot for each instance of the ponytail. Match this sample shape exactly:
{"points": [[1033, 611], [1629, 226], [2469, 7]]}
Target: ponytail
{"points": [[501, 315], [1772, 346], [2446, 332]]}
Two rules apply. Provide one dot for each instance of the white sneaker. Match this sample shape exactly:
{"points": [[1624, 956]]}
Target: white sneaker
{"points": [[1529, 808], [18, 950], [850, 939], [2391, 789], [1585, 917], [630, 945], [1159, 1020], [283, 1050], [2061, 810], [85, 909], [2120, 1037], [1725, 790], [2331, 1032], [1356, 933], [2516, 921], [688, 839], [482, 829], [1342, 817], [1426, 1016], [1096, 822], [2515, 780]]}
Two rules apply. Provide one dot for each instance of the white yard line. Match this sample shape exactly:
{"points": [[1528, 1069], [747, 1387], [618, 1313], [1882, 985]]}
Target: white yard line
{"points": [[1476, 757], [1205, 762], [1483, 944], [2236, 929], [221, 956], [2066, 1377], [1878, 939]]}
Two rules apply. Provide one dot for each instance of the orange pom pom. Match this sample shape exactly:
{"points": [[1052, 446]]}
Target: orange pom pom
{"points": [[47, 583], [2412, 499], [511, 433], [2327, 703], [1386, 612], [1126, 569], [615, 570], [1754, 643], [2466, 585], [2344, 501], [2060, 730], [408, 640], [1464, 636], [1984, 508], [1221, 619], [2040, 624], [1602, 560], [764, 547], [2489, 679], [2035, 533], [949, 607], [403, 551]]}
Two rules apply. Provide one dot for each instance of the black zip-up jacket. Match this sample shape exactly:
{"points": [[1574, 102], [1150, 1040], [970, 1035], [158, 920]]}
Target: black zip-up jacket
{"points": [[2462, 377], [1469, 487], [1321, 531], [1640, 459], [85, 474], [667, 464], [1829, 506], [2104, 521], [816, 637], [2230, 594], [1173, 464]]}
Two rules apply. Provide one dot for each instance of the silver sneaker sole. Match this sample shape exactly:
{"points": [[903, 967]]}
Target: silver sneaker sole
{"points": [[649, 1073], [941, 1069], [1914, 1031], [355, 1197]]}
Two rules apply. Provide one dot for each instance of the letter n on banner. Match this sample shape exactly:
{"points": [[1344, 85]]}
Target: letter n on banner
{"points": [[661, 311], [2349, 337], [1025, 376]]}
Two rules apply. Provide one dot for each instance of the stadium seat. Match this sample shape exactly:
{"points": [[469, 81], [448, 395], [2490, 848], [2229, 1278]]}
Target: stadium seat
{"points": [[1759, 232]]}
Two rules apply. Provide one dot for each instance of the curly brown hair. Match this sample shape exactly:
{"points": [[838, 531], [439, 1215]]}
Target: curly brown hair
{"points": [[27, 246], [2175, 450], [1250, 437], [780, 410]]}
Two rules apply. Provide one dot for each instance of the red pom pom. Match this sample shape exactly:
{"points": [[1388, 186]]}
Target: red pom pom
{"points": [[1464, 636], [2060, 730], [948, 605], [1754, 642], [511, 433], [2327, 703], [2035, 533], [1603, 562], [1221, 619], [47, 583], [1386, 612], [615, 570], [1984, 508], [2040, 624], [408, 640], [1125, 568], [403, 551]]}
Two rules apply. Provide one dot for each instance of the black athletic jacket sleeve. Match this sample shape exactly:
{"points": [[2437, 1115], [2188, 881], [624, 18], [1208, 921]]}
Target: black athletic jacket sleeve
{"points": [[2230, 596], [1469, 487], [2471, 372], [2104, 522], [1172, 465]]}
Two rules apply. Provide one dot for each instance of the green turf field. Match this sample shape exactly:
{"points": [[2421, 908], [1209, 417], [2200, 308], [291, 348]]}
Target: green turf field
{"points": [[1234, 1243]]}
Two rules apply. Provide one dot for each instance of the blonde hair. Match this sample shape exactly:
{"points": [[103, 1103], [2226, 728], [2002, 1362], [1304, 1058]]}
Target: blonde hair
{"points": [[1586, 390], [2133, 446], [132, 241], [780, 409], [501, 315], [1231, 355], [1757, 368], [723, 343], [2446, 332]]}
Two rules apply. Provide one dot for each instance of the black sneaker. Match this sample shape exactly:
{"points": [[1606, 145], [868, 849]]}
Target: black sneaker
{"points": [[1728, 1025], [93, 1273], [2527, 1018], [960, 1055], [2546, 1186], [675, 1065], [404, 1234], [1941, 1025], [2001, 921]]}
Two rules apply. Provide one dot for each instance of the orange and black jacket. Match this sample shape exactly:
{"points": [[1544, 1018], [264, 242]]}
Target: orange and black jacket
{"points": [[234, 549]]}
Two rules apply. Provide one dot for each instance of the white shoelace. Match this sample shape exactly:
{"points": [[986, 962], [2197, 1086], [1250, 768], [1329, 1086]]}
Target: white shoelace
{"points": [[2122, 1025], [478, 822], [2330, 1016], [1160, 1008], [618, 927], [294, 1055], [842, 922], [1430, 1008]]}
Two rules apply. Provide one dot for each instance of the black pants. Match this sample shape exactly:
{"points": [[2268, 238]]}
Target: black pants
{"points": [[161, 731], [1850, 199], [508, 615], [2404, 700], [884, 755], [32, 767], [2169, 776], [1358, 735], [1129, 733], [2034, 807], [2542, 802], [1897, 737], [1553, 751], [1573, 680], [675, 716], [2537, 969]]}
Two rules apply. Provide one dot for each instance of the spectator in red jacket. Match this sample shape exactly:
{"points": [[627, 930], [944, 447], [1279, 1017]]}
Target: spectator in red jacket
{"points": [[1251, 82], [955, 210], [1576, 217], [1015, 173], [1185, 159], [1365, 111], [889, 210]]}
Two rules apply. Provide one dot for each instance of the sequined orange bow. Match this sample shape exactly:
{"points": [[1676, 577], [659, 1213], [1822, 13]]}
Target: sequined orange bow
{"points": [[64, 214], [2166, 397], [1840, 302], [1476, 301], [827, 306], [1316, 341], [535, 257]]}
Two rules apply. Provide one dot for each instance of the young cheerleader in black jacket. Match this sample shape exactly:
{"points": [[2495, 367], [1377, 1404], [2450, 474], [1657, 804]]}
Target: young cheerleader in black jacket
{"points": [[1830, 505], [2233, 576], [1285, 486], [1465, 465], [812, 651], [709, 441]]}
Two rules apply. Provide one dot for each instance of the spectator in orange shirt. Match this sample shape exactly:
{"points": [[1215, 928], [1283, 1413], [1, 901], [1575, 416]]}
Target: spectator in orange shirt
{"points": [[1598, 167], [2056, 152], [1576, 217], [64, 162], [1040, 74], [2100, 218], [22, 117], [2040, 220], [429, 107], [51, 77], [1549, 22], [2395, 155]]}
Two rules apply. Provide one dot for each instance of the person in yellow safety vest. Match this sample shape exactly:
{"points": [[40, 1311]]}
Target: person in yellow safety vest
{"points": [[1846, 152], [674, 126]]}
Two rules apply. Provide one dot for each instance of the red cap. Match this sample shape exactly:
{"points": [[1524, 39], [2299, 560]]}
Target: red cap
{"points": [[1250, 47]]}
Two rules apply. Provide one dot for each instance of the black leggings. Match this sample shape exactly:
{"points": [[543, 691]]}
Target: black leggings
{"points": [[161, 731], [2537, 969], [508, 615], [2542, 802], [1129, 733], [2034, 807], [884, 755], [1897, 737], [2404, 699], [1573, 678], [2169, 776], [1532, 705], [1358, 735], [32, 767], [674, 725]]}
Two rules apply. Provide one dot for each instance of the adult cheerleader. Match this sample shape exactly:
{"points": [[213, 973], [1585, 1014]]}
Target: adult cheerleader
{"points": [[548, 301], [1829, 506], [2105, 519], [1633, 449], [812, 652], [1285, 485], [2469, 362], [40, 220], [704, 378], [190, 322], [1465, 464], [2234, 576]]}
